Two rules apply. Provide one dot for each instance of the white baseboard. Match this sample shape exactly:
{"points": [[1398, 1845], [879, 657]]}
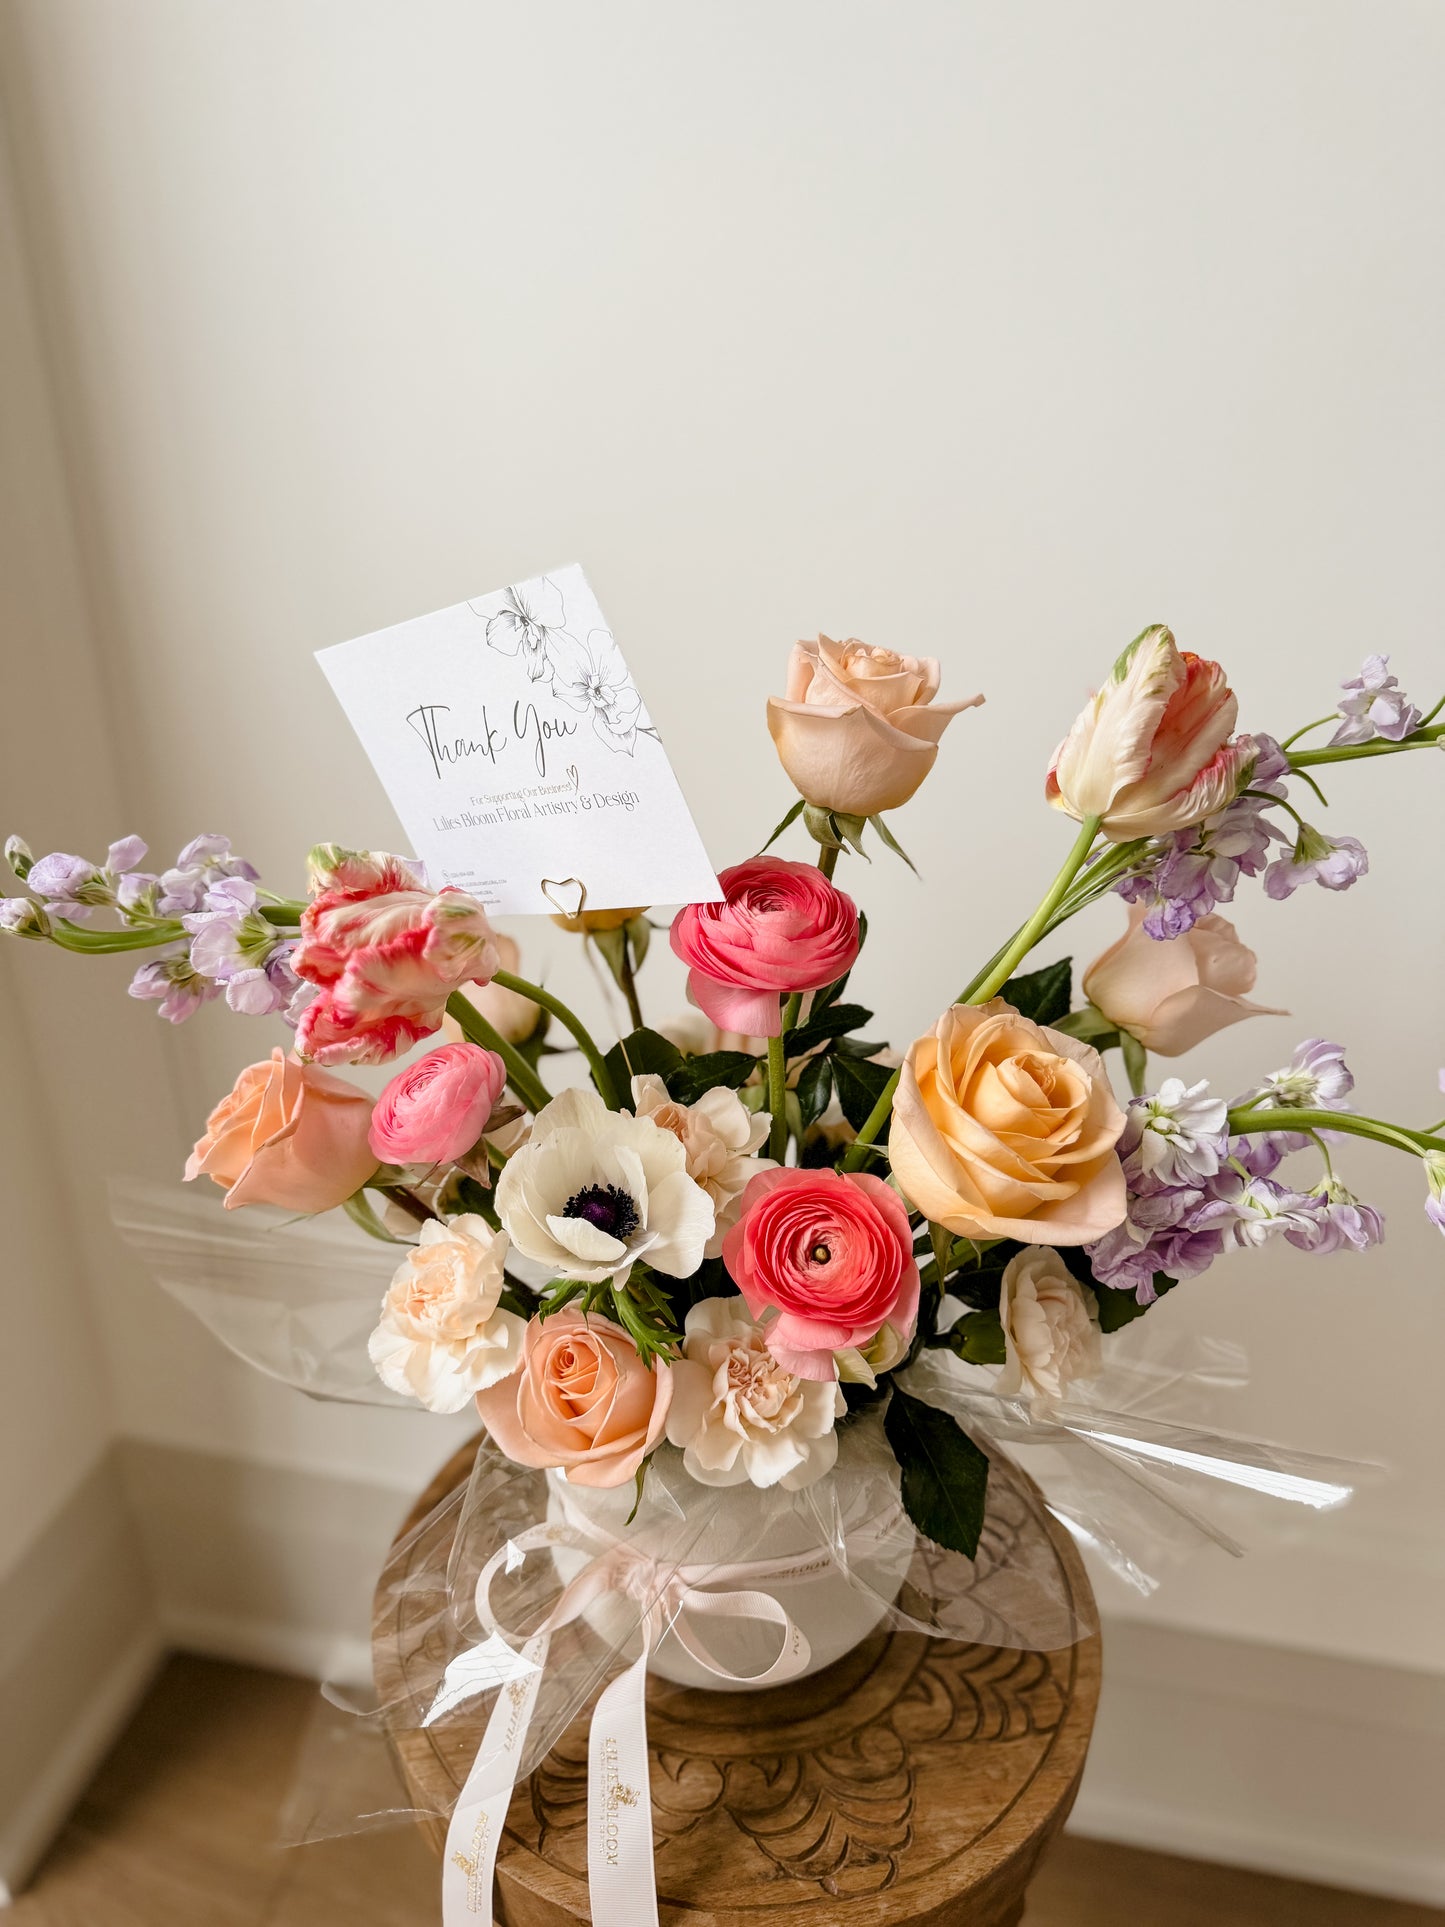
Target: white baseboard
{"points": [[27, 1831], [300, 1650], [1317, 1768]]}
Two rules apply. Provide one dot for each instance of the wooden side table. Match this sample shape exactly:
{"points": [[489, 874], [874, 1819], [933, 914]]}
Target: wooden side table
{"points": [[916, 1783]]}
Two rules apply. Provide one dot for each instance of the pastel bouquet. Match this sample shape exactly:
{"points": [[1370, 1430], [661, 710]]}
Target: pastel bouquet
{"points": [[759, 1252]]}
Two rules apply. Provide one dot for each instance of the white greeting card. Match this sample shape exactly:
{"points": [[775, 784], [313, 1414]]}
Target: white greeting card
{"points": [[516, 750]]}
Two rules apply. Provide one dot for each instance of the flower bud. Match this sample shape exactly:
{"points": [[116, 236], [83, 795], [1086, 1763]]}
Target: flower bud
{"points": [[23, 917], [17, 855], [1151, 751]]}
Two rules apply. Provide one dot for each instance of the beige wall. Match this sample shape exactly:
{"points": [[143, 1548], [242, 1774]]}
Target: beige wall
{"points": [[991, 332]]}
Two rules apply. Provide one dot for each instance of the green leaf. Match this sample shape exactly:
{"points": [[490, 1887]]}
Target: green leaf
{"points": [[1090, 1026], [358, 1208], [637, 1054], [793, 814], [639, 931], [1136, 1062], [977, 1337], [694, 1075], [825, 1024], [815, 1087], [944, 1474], [1118, 1308], [1043, 994], [890, 842], [860, 1084]]}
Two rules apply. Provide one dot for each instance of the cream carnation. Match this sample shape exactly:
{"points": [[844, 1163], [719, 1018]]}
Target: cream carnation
{"points": [[738, 1415], [1050, 1327], [443, 1336], [594, 1191], [719, 1136]]}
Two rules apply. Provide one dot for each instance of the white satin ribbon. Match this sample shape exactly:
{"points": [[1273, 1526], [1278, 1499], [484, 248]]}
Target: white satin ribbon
{"points": [[620, 1876]]}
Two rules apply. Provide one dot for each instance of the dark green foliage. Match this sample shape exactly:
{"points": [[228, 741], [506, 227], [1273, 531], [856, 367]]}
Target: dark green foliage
{"points": [[694, 1075], [860, 1084], [944, 1474], [1044, 995]]}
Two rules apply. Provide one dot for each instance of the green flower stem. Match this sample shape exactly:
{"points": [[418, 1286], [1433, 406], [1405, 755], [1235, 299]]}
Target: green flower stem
{"points": [[828, 859], [1002, 968], [857, 1151], [627, 978], [790, 1011], [601, 1076], [1351, 752], [1318, 723], [520, 1075], [100, 942], [1246, 1120], [284, 912], [778, 1098]]}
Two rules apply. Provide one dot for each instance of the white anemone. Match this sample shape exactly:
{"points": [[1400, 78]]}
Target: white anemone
{"points": [[594, 1191]]}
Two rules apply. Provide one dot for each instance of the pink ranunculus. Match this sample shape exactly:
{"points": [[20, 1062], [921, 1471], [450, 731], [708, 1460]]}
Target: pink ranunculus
{"points": [[1151, 752], [832, 1254], [287, 1134], [782, 927], [437, 1107], [385, 952], [581, 1400]]}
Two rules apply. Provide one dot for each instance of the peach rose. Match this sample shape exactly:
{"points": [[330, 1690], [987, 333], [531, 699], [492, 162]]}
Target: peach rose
{"points": [[582, 1401], [859, 728], [1003, 1128], [1173, 995], [287, 1134]]}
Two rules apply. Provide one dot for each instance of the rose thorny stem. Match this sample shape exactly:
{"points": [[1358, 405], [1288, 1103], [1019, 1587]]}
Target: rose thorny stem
{"points": [[998, 973], [520, 1075], [1246, 1120], [601, 1076], [778, 1098]]}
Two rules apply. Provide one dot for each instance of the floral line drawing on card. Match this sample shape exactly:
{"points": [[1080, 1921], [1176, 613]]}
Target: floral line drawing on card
{"points": [[531, 616], [592, 677]]}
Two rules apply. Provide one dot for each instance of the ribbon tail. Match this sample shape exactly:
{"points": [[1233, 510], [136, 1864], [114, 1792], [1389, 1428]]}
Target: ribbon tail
{"points": [[474, 1833], [621, 1881]]}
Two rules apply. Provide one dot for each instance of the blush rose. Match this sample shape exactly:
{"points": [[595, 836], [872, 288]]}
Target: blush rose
{"points": [[1171, 996], [832, 1255], [782, 927], [582, 1401], [287, 1134], [438, 1107]]}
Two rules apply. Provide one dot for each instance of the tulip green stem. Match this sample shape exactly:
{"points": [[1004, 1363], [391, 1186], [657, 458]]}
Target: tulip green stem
{"points": [[997, 973], [520, 1075], [1422, 738], [1247, 1120], [778, 1098], [601, 1076]]}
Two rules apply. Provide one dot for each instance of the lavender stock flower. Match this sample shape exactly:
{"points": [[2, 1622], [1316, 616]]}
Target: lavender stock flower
{"points": [[1332, 1218], [1332, 862], [170, 979], [1373, 704]]}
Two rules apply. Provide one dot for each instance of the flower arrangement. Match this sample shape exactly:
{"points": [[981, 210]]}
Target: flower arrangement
{"points": [[749, 1226]]}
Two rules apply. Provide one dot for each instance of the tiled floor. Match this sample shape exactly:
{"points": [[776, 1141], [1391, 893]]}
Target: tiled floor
{"points": [[177, 1829]]}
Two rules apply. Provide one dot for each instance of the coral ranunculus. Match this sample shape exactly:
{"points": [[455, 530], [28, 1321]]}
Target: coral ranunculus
{"points": [[287, 1134], [858, 729], [831, 1254], [1151, 751], [386, 953], [1003, 1128], [782, 927], [437, 1107], [583, 1401], [1173, 995]]}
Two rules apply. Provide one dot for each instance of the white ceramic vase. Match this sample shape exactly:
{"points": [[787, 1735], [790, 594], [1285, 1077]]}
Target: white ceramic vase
{"points": [[779, 1535]]}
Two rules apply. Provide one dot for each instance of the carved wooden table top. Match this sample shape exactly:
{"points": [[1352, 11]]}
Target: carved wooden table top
{"points": [[916, 1783]]}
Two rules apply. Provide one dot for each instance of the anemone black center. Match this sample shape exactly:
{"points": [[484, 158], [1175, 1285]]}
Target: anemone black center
{"points": [[607, 1206]]}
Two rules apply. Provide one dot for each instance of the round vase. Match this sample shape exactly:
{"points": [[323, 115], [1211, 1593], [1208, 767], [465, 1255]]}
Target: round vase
{"points": [[780, 1536]]}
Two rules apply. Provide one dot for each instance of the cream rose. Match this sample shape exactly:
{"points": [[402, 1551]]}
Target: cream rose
{"points": [[719, 1136], [858, 729], [443, 1336], [1050, 1328], [1003, 1128], [738, 1415], [1173, 995]]}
